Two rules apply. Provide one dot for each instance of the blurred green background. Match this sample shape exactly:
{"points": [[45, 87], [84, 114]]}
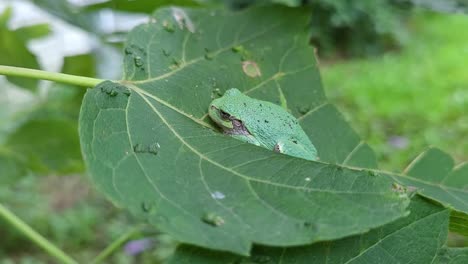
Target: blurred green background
{"points": [[398, 72]]}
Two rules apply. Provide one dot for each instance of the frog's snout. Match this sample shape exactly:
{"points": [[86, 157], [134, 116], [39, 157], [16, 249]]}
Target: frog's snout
{"points": [[212, 110]]}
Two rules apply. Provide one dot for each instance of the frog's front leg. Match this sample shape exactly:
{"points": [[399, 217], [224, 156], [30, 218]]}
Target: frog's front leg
{"points": [[292, 148]]}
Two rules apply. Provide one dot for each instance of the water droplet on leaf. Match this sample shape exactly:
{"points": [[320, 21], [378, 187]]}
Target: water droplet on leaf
{"points": [[400, 189], [109, 90], [138, 148], [182, 19], [213, 219], [208, 55], [238, 49], [303, 109], [138, 61], [128, 50], [218, 195], [154, 149], [151, 149], [168, 26], [146, 206], [165, 52], [216, 93], [175, 64]]}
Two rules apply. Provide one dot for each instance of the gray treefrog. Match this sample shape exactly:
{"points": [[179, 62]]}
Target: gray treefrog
{"points": [[261, 123]]}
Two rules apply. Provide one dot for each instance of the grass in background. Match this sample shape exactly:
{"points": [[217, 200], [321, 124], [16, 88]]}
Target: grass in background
{"points": [[405, 101]]}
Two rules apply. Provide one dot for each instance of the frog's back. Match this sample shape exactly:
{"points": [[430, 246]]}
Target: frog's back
{"points": [[271, 123]]}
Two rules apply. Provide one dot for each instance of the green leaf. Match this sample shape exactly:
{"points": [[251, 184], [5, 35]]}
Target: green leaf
{"points": [[12, 167], [414, 239], [452, 256], [50, 145], [149, 145], [434, 175], [292, 3], [459, 223], [75, 15], [143, 6], [83, 65], [34, 31], [447, 6], [13, 45]]}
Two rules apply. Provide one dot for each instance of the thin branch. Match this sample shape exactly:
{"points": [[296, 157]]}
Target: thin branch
{"points": [[115, 245], [34, 236], [51, 76]]}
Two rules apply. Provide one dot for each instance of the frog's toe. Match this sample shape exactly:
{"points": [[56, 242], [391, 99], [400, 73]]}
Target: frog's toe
{"points": [[278, 148]]}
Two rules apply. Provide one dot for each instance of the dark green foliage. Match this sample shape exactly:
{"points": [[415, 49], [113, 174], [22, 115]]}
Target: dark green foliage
{"points": [[446, 6], [357, 27], [349, 28]]}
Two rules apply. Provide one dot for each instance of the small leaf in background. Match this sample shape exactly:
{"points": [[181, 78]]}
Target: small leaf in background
{"points": [[34, 31], [447, 6], [144, 6], [434, 176], [50, 146], [14, 51], [12, 167], [452, 256], [70, 13], [149, 146], [459, 223], [417, 238]]}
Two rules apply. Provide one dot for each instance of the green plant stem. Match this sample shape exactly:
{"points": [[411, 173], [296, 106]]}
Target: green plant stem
{"points": [[116, 244], [51, 76], [35, 237]]}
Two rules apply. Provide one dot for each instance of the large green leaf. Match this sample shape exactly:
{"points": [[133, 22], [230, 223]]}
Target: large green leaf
{"points": [[434, 175], [417, 238], [149, 145]]}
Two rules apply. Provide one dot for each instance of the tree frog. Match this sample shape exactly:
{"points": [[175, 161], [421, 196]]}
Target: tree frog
{"points": [[261, 123]]}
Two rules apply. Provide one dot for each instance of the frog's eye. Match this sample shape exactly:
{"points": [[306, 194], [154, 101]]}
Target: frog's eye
{"points": [[224, 115]]}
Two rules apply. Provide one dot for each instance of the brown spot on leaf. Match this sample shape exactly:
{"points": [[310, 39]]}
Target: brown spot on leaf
{"points": [[251, 69]]}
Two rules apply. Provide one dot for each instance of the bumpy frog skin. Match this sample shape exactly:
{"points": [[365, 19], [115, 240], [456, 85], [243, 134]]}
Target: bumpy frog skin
{"points": [[261, 123]]}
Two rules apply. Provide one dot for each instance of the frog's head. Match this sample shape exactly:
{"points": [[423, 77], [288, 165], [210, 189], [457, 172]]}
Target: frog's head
{"points": [[224, 111]]}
